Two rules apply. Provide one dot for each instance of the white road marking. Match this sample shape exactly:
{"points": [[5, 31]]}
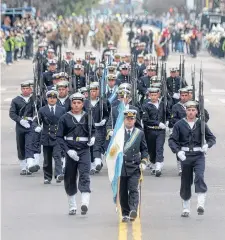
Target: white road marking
{"points": [[218, 90]]}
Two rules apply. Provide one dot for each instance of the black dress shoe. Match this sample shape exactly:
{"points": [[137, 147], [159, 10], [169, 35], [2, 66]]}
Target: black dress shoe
{"points": [[47, 181], [133, 215], [28, 173], [72, 212], [23, 172], [185, 214], [158, 173], [125, 219], [200, 210], [33, 169], [84, 210], [60, 178]]}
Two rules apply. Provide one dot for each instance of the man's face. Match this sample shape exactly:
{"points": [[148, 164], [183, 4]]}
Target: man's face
{"points": [[52, 67], [94, 94], [154, 97], [191, 113], [117, 59], [50, 55], [26, 91], [173, 74], [110, 46], [124, 72], [140, 60], [190, 95], [41, 49], [111, 83], [52, 100], [63, 92], [129, 122], [85, 94], [68, 55], [151, 73], [184, 97], [77, 106], [77, 71], [92, 61]]}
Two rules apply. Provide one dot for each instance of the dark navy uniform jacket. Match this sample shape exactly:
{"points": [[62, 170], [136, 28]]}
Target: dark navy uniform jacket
{"points": [[70, 127], [123, 79], [47, 78], [133, 155], [66, 104], [173, 85], [50, 124], [78, 82], [96, 111], [184, 136], [143, 84], [152, 115], [20, 109]]}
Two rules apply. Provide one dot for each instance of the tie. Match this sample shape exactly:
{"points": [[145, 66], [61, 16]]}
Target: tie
{"points": [[127, 136], [52, 110], [111, 91], [128, 133]]}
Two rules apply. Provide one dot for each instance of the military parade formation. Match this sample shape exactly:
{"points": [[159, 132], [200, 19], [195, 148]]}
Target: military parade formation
{"points": [[74, 109]]}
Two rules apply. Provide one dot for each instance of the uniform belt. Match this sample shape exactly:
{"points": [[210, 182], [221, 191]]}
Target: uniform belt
{"points": [[98, 125], [154, 127], [187, 149], [77, 139], [27, 118]]}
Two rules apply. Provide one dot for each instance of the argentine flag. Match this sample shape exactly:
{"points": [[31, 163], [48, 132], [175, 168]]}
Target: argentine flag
{"points": [[114, 155]]}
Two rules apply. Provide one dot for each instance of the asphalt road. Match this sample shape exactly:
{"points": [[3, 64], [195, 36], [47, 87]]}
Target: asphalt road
{"points": [[32, 210]]}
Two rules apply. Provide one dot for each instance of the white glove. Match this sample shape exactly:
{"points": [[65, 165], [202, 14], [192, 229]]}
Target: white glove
{"points": [[73, 155], [38, 129], [91, 142], [111, 133], [176, 95], [205, 148], [142, 166], [162, 126], [102, 123], [24, 123], [181, 155]]}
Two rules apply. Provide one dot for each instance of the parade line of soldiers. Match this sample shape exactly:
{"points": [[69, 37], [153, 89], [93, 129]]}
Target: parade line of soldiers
{"points": [[71, 109]]}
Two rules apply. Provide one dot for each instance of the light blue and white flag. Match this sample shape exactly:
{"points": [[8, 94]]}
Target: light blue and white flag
{"points": [[114, 155]]}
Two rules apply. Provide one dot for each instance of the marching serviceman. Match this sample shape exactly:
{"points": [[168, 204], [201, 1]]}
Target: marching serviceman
{"points": [[78, 81], [74, 137], [49, 116], [174, 83], [124, 76], [22, 111], [186, 142], [179, 112], [111, 88], [47, 76], [100, 119], [68, 63], [134, 161], [63, 97], [154, 120]]}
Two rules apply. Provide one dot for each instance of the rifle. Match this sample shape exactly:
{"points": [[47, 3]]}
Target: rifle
{"points": [[89, 114], [70, 78], [35, 93], [202, 108], [164, 90], [193, 82], [134, 80], [102, 88]]}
